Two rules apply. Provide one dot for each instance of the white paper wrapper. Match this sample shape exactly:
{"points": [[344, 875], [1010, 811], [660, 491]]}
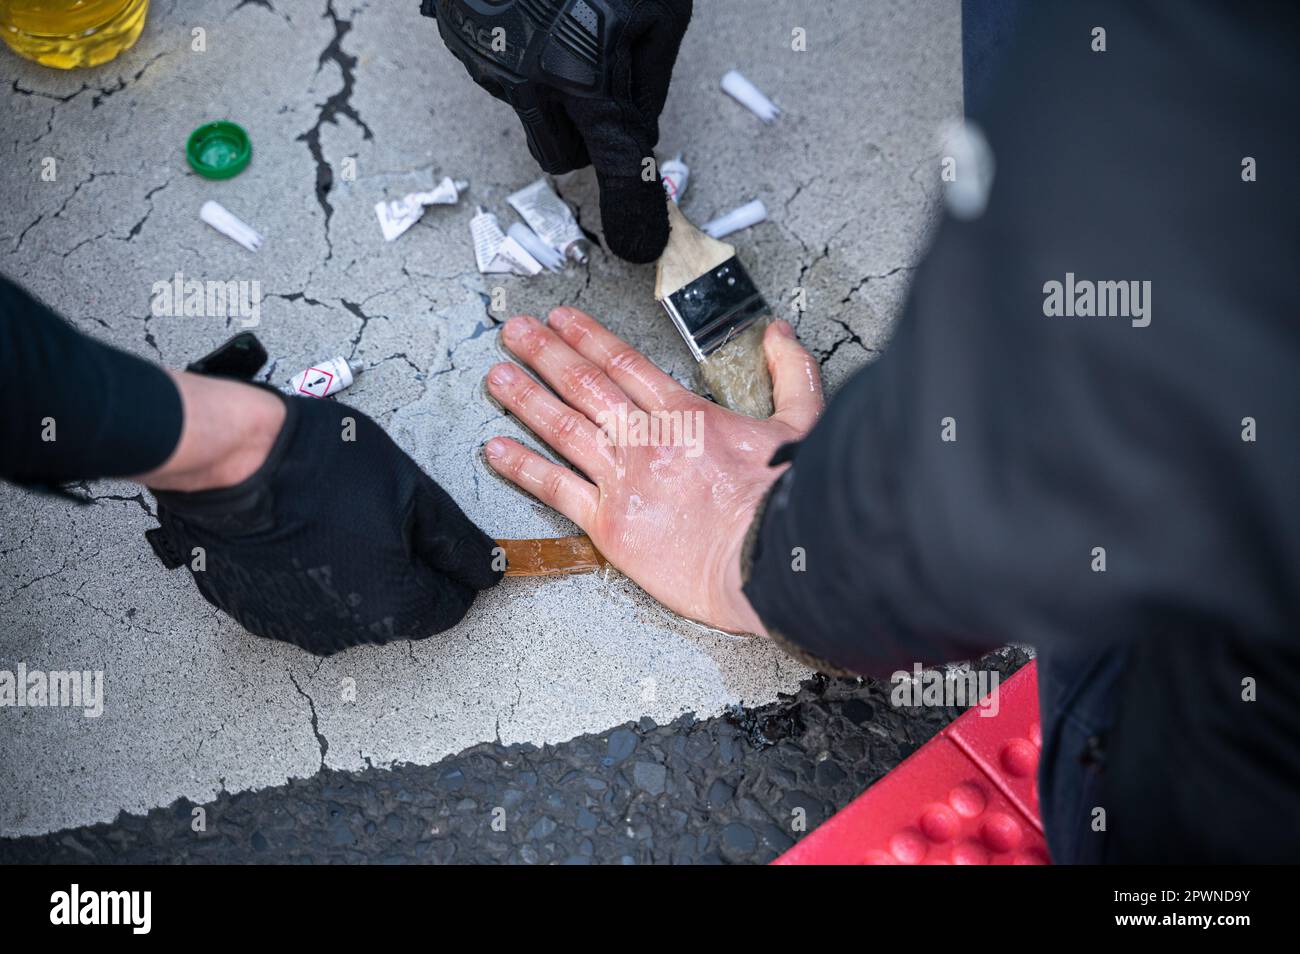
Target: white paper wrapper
{"points": [[495, 252], [398, 215]]}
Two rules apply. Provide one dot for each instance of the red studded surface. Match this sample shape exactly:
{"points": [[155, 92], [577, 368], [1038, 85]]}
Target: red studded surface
{"points": [[968, 796]]}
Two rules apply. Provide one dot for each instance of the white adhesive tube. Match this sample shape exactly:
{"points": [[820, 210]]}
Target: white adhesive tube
{"points": [[535, 247], [675, 175], [751, 213], [552, 220], [322, 380], [749, 96], [229, 225]]}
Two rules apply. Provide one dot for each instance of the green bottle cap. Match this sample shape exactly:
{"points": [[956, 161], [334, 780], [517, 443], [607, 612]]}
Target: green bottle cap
{"points": [[218, 150]]}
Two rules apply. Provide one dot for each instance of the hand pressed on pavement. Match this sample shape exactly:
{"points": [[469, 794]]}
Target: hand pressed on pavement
{"points": [[672, 516], [303, 520]]}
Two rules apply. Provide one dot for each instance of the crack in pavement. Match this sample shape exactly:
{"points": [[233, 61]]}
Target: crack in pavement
{"points": [[131, 233], [13, 595], [315, 724], [122, 83], [265, 5], [850, 337], [870, 278], [358, 312], [62, 208], [337, 105], [138, 498]]}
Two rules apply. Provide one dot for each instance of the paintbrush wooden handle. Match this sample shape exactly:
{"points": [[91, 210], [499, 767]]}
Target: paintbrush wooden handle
{"points": [[552, 556]]}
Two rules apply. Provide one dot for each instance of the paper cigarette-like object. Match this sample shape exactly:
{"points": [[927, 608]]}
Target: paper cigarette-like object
{"points": [[751, 213], [749, 96], [229, 225]]}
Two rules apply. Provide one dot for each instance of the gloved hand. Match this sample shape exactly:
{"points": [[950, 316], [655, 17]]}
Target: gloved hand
{"points": [[338, 539], [588, 79]]}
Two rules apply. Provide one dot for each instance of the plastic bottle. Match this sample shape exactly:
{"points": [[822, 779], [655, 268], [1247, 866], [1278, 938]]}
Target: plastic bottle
{"points": [[71, 33]]}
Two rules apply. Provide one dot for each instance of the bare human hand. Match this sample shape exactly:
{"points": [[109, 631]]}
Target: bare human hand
{"points": [[672, 480]]}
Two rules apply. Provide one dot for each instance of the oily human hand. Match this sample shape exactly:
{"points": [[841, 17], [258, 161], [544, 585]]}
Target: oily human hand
{"points": [[667, 482]]}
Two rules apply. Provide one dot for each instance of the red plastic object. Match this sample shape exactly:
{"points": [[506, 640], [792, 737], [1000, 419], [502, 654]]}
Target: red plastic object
{"points": [[968, 796]]}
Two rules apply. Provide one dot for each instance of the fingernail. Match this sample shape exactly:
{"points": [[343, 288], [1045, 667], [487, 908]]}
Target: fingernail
{"points": [[516, 327], [502, 374], [494, 448], [559, 317], [785, 328]]}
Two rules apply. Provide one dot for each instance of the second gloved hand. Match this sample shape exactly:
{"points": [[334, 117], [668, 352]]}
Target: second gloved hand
{"points": [[337, 539], [588, 80]]}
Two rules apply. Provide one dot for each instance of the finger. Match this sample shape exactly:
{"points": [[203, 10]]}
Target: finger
{"points": [[568, 432], [634, 215], [450, 543], [556, 486], [574, 378], [633, 206], [796, 378], [633, 372]]}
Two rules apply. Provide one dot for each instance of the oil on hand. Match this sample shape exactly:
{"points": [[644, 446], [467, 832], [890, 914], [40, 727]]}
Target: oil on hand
{"points": [[667, 500]]}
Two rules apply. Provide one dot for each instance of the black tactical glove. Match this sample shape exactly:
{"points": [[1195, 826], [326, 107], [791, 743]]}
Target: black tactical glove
{"points": [[338, 539], [588, 79]]}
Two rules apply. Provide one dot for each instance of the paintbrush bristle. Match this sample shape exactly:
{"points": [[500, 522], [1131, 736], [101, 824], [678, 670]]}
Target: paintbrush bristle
{"points": [[690, 254]]}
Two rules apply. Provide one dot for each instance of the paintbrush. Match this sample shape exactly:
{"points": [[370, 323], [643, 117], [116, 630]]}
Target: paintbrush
{"points": [[721, 316], [719, 313]]}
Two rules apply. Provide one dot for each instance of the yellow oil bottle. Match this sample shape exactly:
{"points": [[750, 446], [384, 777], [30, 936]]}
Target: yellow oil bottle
{"points": [[71, 33]]}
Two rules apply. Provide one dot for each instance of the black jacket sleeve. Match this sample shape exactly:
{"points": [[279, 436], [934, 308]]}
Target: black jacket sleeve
{"points": [[1167, 450], [73, 408]]}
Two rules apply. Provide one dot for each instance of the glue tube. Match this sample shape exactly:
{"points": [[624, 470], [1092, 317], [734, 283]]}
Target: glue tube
{"points": [[322, 380], [548, 216], [675, 175]]}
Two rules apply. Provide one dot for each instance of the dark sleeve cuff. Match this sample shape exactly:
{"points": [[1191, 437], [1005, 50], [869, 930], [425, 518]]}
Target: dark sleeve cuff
{"points": [[75, 408]]}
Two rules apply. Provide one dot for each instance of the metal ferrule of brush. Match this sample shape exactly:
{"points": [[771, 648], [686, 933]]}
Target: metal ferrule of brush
{"points": [[715, 307]]}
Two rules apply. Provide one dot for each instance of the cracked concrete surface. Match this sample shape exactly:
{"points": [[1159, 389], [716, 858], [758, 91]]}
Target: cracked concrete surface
{"points": [[193, 705]]}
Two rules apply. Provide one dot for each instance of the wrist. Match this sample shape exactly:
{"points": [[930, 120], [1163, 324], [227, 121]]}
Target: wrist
{"points": [[228, 430]]}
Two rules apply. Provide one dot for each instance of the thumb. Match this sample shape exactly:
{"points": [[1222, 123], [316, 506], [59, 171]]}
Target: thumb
{"points": [[796, 378]]}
